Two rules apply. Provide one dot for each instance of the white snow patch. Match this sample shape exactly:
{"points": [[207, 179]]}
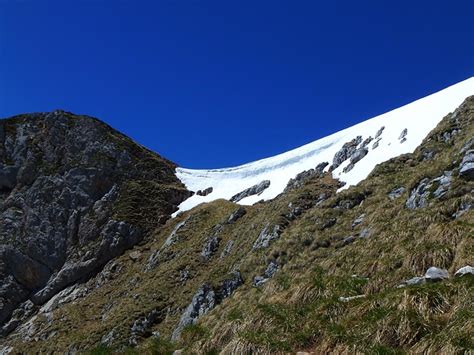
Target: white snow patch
{"points": [[419, 117]]}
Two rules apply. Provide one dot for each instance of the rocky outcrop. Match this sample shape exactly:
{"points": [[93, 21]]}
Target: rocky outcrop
{"points": [[68, 202], [428, 189], [267, 235], [204, 192], [236, 215], [271, 269], [205, 299], [300, 179], [396, 193], [355, 158], [345, 152], [403, 135], [210, 247], [251, 191], [465, 270], [466, 168]]}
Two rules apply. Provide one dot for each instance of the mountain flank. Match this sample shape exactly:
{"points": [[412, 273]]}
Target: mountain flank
{"points": [[384, 266]]}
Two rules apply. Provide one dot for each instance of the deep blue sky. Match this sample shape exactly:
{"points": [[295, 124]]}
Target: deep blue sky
{"points": [[219, 83]]}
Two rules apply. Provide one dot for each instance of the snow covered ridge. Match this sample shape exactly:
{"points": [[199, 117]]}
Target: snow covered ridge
{"points": [[364, 146]]}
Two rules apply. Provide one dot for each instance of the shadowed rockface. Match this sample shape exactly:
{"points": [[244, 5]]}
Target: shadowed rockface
{"points": [[70, 200]]}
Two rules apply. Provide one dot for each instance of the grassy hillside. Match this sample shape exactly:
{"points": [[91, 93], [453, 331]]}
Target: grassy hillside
{"points": [[322, 256]]}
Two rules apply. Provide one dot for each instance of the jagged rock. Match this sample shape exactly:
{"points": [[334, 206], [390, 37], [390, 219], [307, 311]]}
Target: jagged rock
{"points": [[358, 220], [270, 271], [448, 135], [366, 141], [396, 193], [466, 168], [379, 132], [427, 154], [141, 326], [203, 301], [64, 175], [436, 274], [345, 152], [108, 338], [237, 214], [355, 158], [465, 270], [427, 189], [304, 176], [173, 235], [227, 249], [210, 247], [254, 190], [266, 236], [204, 192], [464, 207], [403, 135], [467, 146], [228, 286], [376, 143]]}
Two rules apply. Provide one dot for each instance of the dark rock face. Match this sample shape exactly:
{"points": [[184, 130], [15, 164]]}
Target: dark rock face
{"points": [[466, 168], [254, 190], [403, 135], [67, 188], [204, 192]]}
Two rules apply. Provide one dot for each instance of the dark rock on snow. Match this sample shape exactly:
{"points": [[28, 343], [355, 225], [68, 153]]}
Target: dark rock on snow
{"points": [[204, 192], [254, 190]]}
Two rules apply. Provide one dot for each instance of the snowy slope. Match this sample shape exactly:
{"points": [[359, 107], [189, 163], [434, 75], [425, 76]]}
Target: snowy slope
{"points": [[418, 117]]}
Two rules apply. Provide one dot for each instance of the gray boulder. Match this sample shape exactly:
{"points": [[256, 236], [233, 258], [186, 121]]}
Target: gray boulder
{"points": [[436, 274]]}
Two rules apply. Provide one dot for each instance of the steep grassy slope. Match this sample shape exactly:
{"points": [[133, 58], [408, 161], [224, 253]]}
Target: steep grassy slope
{"points": [[301, 258]]}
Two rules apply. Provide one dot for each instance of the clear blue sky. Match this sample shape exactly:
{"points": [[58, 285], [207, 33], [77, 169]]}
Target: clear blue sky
{"points": [[219, 83]]}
